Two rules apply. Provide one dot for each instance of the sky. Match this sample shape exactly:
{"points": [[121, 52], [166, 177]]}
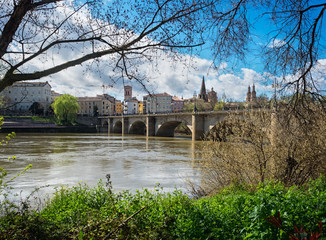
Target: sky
{"points": [[181, 79]]}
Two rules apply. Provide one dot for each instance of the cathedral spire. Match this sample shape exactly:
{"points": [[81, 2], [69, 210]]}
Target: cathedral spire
{"points": [[203, 94]]}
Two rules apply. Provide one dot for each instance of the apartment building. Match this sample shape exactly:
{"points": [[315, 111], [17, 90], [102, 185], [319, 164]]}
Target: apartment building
{"points": [[157, 103], [177, 104], [97, 106]]}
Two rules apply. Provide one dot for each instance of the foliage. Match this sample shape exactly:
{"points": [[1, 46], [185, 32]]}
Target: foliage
{"points": [[262, 101], [200, 106], [239, 150], [65, 108], [43, 119], [6, 204], [219, 106], [188, 107], [298, 233], [3, 173], [299, 140], [183, 128], [259, 145], [82, 212], [34, 118]]}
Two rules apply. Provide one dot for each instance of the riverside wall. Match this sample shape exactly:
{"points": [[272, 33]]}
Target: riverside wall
{"points": [[26, 124]]}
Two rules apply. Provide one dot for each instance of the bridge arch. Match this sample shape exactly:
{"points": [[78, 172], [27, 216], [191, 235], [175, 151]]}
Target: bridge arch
{"points": [[138, 127], [167, 128], [117, 127], [219, 131]]}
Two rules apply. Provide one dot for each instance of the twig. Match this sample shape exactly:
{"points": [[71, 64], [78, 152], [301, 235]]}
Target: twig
{"points": [[123, 223]]}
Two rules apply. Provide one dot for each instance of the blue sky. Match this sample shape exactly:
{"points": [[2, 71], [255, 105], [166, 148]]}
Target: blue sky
{"points": [[231, 78]]}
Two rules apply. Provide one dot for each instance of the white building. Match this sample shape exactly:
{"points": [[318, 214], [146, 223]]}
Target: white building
{"points": [[158, 103], [21, 96], [130, 106]]}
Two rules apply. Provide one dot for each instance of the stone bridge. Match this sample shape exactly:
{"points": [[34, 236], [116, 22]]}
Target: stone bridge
{"points": [[200, 123]]}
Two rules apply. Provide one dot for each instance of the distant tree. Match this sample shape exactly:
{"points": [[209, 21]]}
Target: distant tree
{"points": [[65, 109], [188, 107], [219, 106], [262, 101], [198, 105]]}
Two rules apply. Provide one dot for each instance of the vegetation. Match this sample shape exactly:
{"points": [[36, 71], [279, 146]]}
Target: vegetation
{"points": [[200, 106], [237, 212], [65, 109], [43, 119], [35, 118], [219, 106], [261, 145], [183, 129]]}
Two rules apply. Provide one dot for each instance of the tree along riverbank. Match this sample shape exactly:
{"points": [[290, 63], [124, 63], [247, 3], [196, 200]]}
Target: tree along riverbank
{"points": [[237, 212]]}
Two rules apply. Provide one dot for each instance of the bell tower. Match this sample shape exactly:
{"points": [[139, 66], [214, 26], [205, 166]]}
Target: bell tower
{"points": [[128, 92]]}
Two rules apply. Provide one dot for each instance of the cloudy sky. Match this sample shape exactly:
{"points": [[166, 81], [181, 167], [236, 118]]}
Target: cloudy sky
{"points": [[178, 78]]}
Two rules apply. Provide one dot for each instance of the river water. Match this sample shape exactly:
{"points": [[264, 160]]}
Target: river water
{"points": [[134, 162]]}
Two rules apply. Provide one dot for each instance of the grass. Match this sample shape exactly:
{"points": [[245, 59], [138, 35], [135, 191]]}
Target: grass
{"points": [[43, 119], [81, 212], [50, 119]]}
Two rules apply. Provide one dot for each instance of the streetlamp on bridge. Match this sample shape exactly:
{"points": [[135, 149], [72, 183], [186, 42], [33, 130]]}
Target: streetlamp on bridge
{"points": [[195, 108]]}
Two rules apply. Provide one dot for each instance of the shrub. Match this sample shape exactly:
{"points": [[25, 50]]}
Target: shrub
{"points": [[82, 212], [262, 145]]}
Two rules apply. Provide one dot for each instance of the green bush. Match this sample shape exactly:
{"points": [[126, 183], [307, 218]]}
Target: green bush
{"points": [[81, 212]]}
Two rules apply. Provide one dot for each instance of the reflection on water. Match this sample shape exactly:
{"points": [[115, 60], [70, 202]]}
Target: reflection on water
{"points": [[132, 161]]}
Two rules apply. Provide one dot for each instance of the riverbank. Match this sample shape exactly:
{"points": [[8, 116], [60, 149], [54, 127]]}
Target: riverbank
{"points": [[237, 212], [29, 125]]}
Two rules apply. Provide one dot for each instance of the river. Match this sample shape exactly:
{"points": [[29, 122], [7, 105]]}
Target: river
{"points": [[134, 162]]}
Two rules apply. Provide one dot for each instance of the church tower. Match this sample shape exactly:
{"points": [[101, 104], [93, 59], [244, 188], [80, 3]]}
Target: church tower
{"points": [[253, 94], [128, 92], [248, 98], [203, 95]]}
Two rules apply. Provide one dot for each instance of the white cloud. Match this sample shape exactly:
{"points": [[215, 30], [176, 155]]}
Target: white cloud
{"points": [[319, 74], [276, 43]]}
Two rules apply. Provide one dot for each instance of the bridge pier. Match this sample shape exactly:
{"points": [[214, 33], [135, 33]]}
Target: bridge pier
{"points": [[110, 125], [150, 126], [198, 126], [125, 125]]}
